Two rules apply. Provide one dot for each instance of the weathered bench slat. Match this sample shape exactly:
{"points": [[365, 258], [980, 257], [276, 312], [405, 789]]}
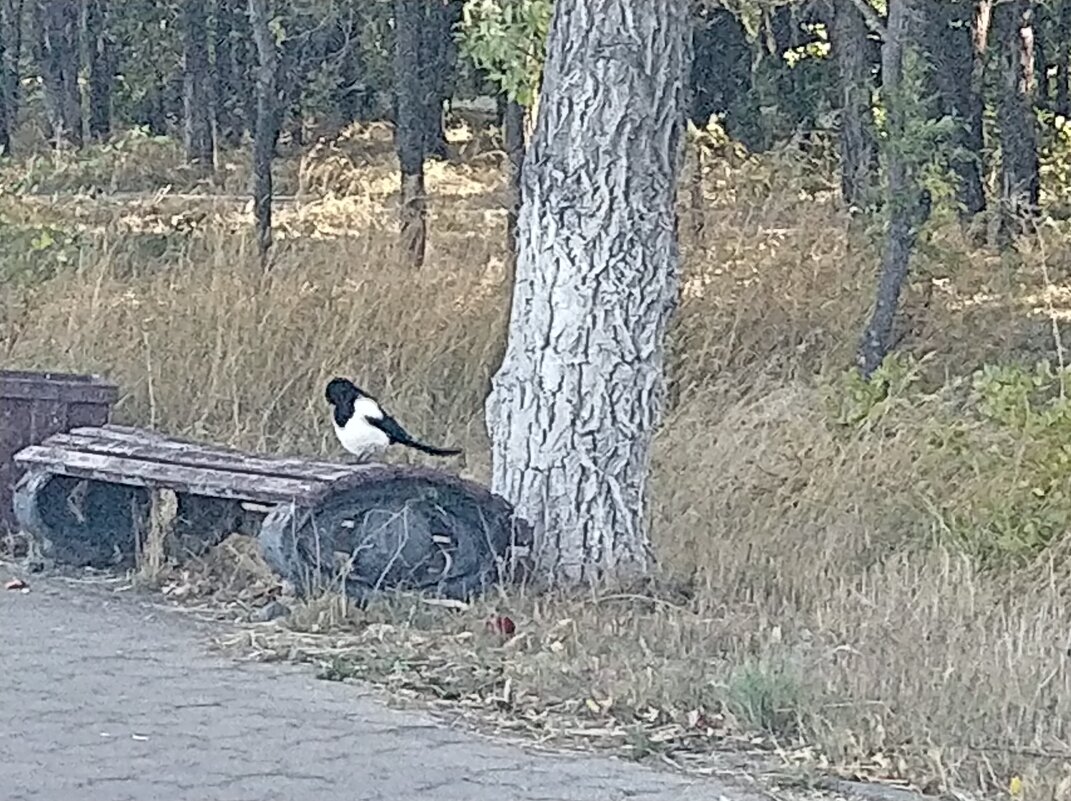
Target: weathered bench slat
{"points": [[195, 455], [181, 478], [129, 433]]}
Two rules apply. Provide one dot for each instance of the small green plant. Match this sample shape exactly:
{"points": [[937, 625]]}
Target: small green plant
{"points": [[766, 696], [858, 400]]}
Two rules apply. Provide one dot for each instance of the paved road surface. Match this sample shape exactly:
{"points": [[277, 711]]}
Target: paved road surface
{"points": [[105, 699]]}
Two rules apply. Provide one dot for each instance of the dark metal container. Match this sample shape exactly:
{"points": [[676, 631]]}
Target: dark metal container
{"points": [[34, 406]]}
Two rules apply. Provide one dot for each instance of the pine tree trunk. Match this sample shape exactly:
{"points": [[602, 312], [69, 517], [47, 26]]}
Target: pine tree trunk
{"points": [[266, 125], [580, 390], [196, 91], [56, 53], [1019, 168], [100, 64], [858, 142], [410, 126]]}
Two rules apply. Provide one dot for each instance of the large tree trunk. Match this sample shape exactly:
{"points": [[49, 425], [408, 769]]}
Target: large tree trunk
{"points": [[97, 45], [410, 124], [908, 205], [266, 126], [196, 91], [950, 36], [1019, 169], [858, 143], [580, 390], [56, 53]]}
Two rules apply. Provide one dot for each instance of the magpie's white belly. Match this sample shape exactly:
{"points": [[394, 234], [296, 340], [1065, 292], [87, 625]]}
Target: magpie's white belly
{"points": [[360, 438]]}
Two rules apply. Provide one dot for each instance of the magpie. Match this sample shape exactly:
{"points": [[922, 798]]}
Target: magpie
{"points": [[363, 427]]}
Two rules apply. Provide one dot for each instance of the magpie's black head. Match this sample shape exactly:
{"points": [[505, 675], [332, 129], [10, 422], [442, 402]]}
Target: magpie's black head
{"points": [[342, 392]]}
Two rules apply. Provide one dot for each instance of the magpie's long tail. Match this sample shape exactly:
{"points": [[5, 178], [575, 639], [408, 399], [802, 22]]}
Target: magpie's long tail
{"points": [[420, 446]]}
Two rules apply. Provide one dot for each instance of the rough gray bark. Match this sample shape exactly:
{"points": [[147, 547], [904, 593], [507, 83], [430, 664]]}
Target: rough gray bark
{"points": [[56, 53], [908, 205], [580, 391], [266, 125], [858, 142], [409, 126], [196, 91], [1019, 168]]}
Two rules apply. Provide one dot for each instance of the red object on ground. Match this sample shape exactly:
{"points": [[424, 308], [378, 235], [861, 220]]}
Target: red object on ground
{"points": [[502, 625], [16, 584]]}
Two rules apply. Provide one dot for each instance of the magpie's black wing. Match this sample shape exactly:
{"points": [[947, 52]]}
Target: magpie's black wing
{"points": [[391, 427], [394, 431]]}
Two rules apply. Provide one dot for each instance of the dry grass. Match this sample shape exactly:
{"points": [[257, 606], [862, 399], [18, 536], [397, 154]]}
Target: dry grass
{"points": [[808, 593]]}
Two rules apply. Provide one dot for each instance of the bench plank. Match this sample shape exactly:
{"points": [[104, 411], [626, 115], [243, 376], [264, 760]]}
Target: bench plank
{"points": [[196, 455], [181, 478], [129, 433]]}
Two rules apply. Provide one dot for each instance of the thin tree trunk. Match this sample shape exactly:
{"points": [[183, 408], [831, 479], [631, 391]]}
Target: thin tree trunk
{"points": [[11, 53], [513, 136], [196, 93], [439, 60], [56, 53], [229, 41], [908, 205], [410, 125], [266, 124], [858, 142], [1019, 169], [7, 105], [949, 41], [100, 64], [1063, 59], [580, 390]]}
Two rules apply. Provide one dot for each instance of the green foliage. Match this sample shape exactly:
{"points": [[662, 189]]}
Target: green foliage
{"points": [[1032, 405], [994, 454], [858, 401], [926, 137], [33, 253], [507, 39], [1055, 157]]}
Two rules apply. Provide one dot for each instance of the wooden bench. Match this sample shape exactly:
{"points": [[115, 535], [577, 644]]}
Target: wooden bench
{"points": [[90, 495]]}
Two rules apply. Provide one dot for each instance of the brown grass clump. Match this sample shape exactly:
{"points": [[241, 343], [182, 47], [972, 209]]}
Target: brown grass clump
{"points": [[821, 584]]}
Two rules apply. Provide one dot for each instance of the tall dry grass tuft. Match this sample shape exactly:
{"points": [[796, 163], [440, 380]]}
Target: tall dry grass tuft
{"points": [[825, 605]]}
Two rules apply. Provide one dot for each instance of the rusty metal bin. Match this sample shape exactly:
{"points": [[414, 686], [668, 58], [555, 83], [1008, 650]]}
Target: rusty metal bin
{"points": [[34, 406]]}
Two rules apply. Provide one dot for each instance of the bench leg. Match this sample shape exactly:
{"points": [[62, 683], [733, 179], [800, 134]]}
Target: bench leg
{"points": [[80, 522]]}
